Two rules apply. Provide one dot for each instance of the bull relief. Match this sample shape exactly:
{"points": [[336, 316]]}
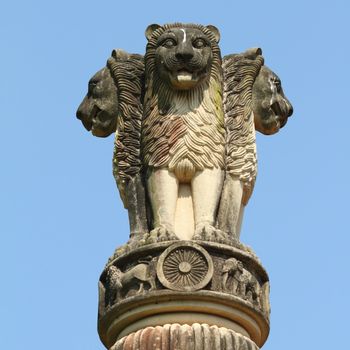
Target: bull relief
{"points": [[185, 165]]}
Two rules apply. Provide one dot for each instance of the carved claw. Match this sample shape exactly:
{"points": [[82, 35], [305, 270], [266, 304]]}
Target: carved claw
{"points": [[206, 232], [138, 240], [161, 234]]}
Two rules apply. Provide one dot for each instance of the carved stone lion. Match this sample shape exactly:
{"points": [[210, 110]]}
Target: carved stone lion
{"points": [[232, 268], [139, 274], [113, 104], [183, 133], [253, 100], [185, 122], [99, 108]]}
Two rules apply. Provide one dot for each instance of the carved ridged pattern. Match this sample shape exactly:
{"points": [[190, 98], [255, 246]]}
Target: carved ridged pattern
{"points": [[240, 71], [183, 129], [185, 267], [185, 337], [127, 71], [198, 267]]}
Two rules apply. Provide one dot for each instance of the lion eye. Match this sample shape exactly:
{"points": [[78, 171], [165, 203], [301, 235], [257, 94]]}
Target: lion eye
{"points": [[199, 43], [169, 43], [278, 86], [92, 85], [277, 83]]}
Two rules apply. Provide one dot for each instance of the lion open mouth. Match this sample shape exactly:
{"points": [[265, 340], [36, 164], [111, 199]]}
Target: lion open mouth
{"points": [[280, 115], [184, 76], [184, 79], [276, 109]]}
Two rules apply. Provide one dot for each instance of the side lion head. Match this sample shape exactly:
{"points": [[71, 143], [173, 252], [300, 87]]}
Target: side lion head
{"points": [[98, 110], [271, 107]]}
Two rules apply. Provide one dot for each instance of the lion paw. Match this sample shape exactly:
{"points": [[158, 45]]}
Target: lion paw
{"points": [[138, 240], [161, 234], [206, 232]]}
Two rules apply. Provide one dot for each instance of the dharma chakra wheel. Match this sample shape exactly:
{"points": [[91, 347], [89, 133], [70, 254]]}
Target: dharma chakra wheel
{"points": [[185, 266]]}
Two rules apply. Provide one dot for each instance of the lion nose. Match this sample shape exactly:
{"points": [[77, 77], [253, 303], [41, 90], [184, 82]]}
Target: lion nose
{"points": [[185, 56], [79, 114], [184, 53], [290, 110]]}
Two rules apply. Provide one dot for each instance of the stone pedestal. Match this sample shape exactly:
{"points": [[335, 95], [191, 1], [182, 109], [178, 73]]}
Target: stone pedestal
{"points": [[184, 295]]}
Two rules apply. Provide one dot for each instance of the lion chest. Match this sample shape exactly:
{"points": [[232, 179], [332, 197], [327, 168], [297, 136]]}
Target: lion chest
{"points": [[185, 139]]}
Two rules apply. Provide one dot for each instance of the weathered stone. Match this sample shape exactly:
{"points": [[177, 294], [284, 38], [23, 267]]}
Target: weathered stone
{"points": [[185, 123], [185, 266], [184, 282], [185, 164]]}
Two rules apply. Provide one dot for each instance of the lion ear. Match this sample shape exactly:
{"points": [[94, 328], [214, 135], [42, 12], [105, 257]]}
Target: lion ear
{"points": [[150, 29], [119, 54], [215, 31]]}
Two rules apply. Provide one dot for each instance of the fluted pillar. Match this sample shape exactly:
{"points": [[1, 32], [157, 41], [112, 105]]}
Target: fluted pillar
{"points": [[185, 337]]}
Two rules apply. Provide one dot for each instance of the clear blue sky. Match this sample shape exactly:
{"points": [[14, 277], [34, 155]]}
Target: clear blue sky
{"points": [[60, 212]]}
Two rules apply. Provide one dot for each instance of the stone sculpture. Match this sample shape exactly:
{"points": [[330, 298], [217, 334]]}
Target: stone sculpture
{"points": [[113, 104], [183, 131], [185, 165], [140, 274], [196, 126], [232, 268], [249, 288]]}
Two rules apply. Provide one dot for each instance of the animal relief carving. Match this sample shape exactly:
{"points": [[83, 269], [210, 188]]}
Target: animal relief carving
{"points": [[249, 287], [120, 283], [232, 271], [238, 281]]}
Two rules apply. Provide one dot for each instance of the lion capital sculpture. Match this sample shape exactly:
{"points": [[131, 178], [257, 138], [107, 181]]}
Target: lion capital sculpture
{"points": [[185, 121]]}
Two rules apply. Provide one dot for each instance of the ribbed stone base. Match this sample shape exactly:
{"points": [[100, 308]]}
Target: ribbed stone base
{"points": [[185, 337]]}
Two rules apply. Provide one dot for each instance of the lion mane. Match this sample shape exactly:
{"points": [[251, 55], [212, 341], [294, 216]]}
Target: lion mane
{"points": [[240, 72], [201, 127], [127, 71], [183, 130]]}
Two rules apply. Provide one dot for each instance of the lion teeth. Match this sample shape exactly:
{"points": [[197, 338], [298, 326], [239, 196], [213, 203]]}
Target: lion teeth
{"points": [[184, 76]]}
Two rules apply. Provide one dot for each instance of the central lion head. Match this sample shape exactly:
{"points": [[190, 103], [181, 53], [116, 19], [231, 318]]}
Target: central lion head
{"points": [[183, 54], [183, 93]]}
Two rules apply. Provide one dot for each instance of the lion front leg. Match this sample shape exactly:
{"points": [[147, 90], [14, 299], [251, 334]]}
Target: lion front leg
{"points": [[136, 203], [206, 191], [231, 208], [162, 188]]}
